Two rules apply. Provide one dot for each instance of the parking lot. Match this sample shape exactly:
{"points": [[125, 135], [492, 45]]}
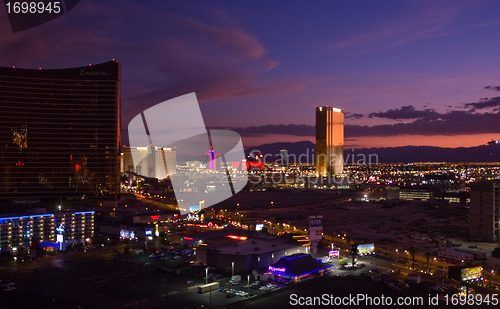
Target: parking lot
{"points": [[96, 280], [167, 278]]}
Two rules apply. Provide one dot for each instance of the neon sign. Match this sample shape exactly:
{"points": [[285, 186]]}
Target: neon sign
{"points": [[277, 269], [315, 222], [60, 229], [333, 253]]}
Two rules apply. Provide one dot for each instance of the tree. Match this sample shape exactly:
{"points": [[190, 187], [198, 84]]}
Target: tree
{"points": [[6, 248], [354, 253], [20, 252], [427, 257], [323, 243], [412, 252], [96, 240]]}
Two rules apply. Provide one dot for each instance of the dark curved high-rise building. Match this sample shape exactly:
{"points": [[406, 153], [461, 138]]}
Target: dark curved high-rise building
{"points": [[59, 134]]}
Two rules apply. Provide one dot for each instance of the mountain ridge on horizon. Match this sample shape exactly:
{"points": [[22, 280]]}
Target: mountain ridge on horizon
{"points": [[400, 154]]}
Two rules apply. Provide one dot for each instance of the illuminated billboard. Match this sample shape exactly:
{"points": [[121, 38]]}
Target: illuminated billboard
{"points": [[259, 227], [315, 221], [333, 253], [471, 273], [366, 249], [126, 234], [194, 208]]}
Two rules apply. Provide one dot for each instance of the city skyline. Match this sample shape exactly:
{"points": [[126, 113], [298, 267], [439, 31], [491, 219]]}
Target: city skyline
{"points": [[249, 154], [406, 73]]}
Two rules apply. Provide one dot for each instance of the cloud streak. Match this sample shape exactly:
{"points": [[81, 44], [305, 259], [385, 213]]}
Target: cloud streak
{"points": [[405, 112], [451, 124], [484, 103], [418, 122], [353, 115], [423, 23], [494, 88]]}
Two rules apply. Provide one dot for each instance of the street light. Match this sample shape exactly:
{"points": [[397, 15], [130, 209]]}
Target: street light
{"points": [[248, 285], [232, 270]]}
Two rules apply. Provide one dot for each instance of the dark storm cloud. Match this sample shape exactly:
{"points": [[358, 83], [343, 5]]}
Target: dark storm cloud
{"points": [[484, 103], [450, 123], [283, 129], [353, 115], [494, 88], [405, 112]]}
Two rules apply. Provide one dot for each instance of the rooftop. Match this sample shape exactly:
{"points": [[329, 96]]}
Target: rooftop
{"points": [[297, 265]]}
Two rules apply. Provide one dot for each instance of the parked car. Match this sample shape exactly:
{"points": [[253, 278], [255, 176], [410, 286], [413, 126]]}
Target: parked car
{"points": [[394, 287], [9, 288]]}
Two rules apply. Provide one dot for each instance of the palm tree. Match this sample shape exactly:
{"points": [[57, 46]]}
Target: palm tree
{"points": [[412, 252], [427, 257], [354, 252], [6, 248]]}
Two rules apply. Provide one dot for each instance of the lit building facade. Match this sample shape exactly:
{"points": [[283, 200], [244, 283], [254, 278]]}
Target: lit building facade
{"points": [[329, 141], [410, 193], [283, 157], [152, 161], [484, 213], [247, 254], [66, 227], [60, 133]]}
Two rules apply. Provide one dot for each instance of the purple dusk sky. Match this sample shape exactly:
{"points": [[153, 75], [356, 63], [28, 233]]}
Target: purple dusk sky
{"points": [[405, 72]]}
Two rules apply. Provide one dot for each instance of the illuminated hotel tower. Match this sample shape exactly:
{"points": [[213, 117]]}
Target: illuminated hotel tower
{"points": [[329, 141], [59, 134]]}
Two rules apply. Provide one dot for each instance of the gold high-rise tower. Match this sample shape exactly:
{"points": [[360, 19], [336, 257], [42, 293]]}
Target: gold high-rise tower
{"points": [[329, 141]]}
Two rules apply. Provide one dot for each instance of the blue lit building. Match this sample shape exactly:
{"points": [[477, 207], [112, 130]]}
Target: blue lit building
{"points": [[298, 266], [59, 229]]}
